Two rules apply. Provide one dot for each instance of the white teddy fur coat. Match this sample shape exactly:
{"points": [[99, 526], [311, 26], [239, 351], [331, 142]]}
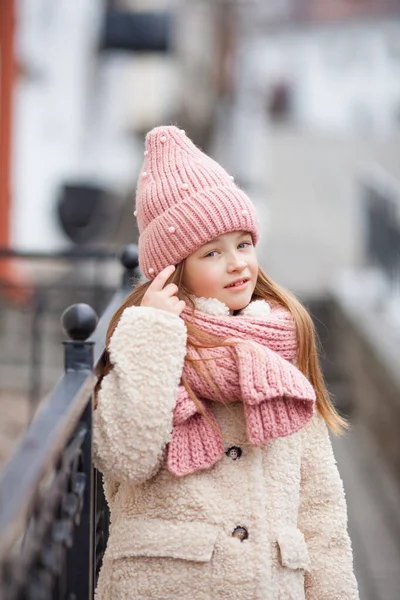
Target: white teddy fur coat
{"points": [[171, 538]]}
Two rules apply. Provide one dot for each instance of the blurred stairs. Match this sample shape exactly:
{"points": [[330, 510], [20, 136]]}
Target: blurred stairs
{"points": [[372, 492]]}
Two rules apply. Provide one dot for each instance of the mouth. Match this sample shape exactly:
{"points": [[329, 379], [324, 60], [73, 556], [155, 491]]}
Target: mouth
{"points": [[239, 284]]}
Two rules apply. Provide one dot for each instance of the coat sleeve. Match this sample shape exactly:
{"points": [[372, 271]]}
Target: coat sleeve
{"points": [[323, 519], [133, 420]]}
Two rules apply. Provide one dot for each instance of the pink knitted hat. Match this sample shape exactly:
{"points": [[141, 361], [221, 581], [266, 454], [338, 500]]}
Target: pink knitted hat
{"points": [[183, 200]]}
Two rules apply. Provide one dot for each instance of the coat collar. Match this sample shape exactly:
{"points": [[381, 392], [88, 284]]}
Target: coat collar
{"points": [[258, 309]]}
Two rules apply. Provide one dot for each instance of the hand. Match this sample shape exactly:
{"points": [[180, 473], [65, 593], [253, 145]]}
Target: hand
{"points": [[164, 298]]}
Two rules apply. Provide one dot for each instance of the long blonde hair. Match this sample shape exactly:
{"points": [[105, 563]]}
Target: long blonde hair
{"points": [[265, 289]]}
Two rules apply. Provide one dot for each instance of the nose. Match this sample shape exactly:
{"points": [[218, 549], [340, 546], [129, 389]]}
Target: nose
{"points": [[236, 263]]}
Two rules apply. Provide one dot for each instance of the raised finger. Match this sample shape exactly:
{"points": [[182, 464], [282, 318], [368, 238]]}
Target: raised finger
{"points": [[158, 283]]}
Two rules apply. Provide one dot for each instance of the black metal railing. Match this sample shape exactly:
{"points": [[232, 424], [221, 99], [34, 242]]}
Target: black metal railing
{"points": [[381, 200], [77, 275], [53, 514]]}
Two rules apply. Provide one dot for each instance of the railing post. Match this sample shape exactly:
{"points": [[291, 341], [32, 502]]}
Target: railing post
{"points": [[79, 321], [130, 260]]}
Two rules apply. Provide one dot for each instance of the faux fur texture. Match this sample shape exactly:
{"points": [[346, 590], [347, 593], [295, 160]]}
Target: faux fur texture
{"points": [[133, 421], [171, 538]]}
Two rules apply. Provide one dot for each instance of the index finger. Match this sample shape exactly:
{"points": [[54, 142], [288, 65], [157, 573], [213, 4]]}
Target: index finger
{"points": [[158, 283]]}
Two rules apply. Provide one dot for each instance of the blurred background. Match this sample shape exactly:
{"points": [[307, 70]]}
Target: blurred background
{"points": [[300, 101]]}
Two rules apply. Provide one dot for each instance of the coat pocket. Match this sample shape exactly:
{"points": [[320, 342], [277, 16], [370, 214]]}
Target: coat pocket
{"points": [[293, 548], [192, 541]]}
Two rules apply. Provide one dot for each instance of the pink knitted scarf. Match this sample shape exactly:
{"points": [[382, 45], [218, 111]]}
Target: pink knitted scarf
{"points": [[257, 370]]}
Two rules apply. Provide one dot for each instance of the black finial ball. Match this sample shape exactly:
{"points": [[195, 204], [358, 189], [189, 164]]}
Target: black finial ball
{"points": [[79, 321], [130, 257]]}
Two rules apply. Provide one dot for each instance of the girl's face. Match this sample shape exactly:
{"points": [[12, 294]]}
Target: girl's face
{"points": [[213, 269]]}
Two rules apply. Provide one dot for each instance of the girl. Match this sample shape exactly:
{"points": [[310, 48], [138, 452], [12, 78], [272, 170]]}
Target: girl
{"points": [[211, 419]]}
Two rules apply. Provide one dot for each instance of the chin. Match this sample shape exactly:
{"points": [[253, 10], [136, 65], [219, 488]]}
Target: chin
{"points": [[239, 303]]}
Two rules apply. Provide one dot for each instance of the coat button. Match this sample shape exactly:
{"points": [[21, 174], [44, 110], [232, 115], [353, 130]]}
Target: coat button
{"points": [[234, 453], [240, 533]]}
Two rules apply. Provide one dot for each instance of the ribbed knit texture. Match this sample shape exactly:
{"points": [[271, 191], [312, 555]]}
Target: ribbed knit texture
{"points": [[277, 398], [183, 200]]}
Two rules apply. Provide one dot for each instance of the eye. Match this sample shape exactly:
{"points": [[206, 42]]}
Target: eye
{"points": [[245, 244], [210, 254]]}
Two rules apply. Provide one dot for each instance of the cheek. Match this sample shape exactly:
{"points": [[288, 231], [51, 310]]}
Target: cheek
{"points": [[254, 270], [203, 280], [253, 263], [193, 275]]}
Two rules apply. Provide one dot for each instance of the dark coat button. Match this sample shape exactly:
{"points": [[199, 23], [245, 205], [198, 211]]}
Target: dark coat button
{"points": [[234, 453], [241, 533]]}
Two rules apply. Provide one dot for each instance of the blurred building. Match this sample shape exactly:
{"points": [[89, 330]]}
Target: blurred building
{"points": [[7, 75], [91, 77], [63, 129], [333, 65]]}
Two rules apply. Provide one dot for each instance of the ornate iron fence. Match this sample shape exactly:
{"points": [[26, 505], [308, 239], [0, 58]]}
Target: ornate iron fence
{"points": [[53, 514]]}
